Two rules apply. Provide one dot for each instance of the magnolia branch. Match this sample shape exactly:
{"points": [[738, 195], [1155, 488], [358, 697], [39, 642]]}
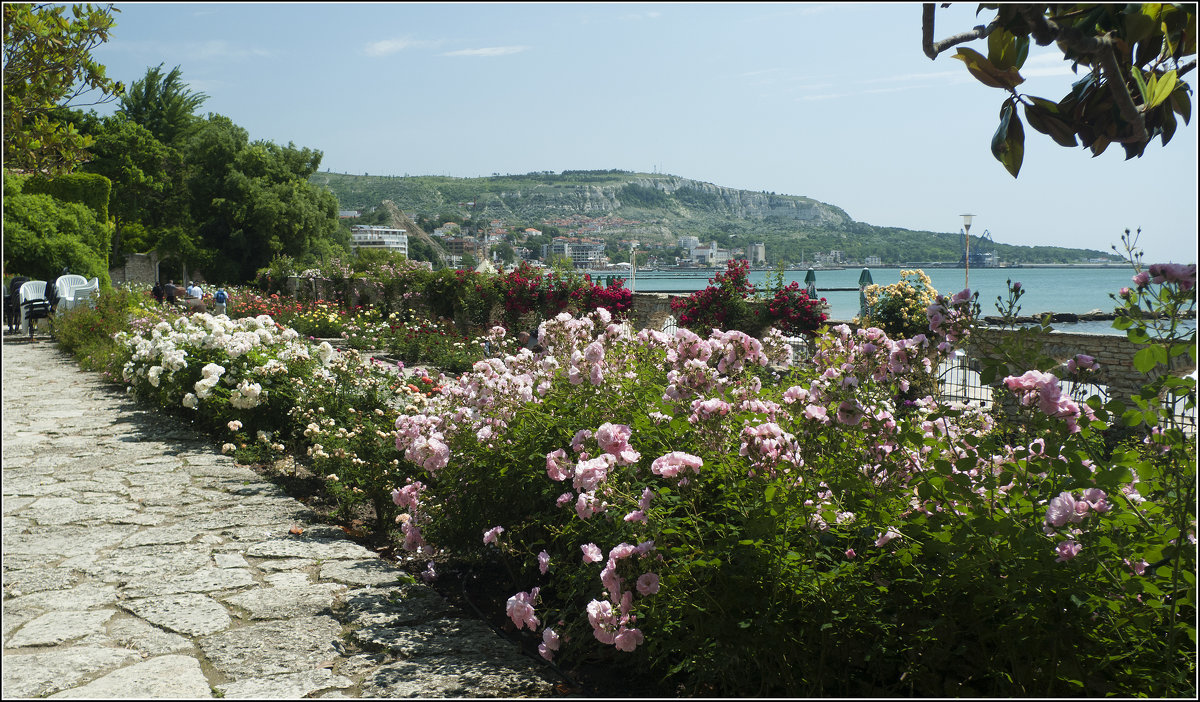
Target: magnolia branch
{"points": [[1044, 32], [932, 48]]}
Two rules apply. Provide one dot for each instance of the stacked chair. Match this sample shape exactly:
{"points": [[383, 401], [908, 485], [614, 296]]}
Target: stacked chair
{"points": [[34, 305]]}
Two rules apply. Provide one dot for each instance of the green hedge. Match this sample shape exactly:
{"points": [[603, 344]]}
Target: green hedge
{"points": [[90, 189], [43, 235]]}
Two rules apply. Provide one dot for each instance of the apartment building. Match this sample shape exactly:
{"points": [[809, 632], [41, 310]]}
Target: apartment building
{"points": [[363, 236]]}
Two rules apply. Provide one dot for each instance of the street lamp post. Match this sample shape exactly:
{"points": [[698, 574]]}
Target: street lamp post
{"points": [[967, 253], [632, 267]]}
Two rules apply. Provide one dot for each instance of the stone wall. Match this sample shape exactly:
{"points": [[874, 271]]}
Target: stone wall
{"points": [[650, 310], [1113, 352], [138, 268]]}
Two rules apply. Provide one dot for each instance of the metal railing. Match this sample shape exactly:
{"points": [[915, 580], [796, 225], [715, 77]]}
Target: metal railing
{"points": [[958, 382]]}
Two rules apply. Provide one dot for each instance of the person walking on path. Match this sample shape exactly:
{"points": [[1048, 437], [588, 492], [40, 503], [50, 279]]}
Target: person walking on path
{"points": [[141, 562], [158, 293], [170, 292], [220, 299]]}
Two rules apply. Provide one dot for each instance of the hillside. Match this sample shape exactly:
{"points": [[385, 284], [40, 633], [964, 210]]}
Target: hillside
{"points": [[660, 208]]}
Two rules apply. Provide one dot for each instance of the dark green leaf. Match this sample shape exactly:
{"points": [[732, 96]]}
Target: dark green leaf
{"points": [[1181, 103], [1008, 143], [986, 73], [1148, 50], [1022, 51], [1168, 126], [1044, 119], [1139, 27]]}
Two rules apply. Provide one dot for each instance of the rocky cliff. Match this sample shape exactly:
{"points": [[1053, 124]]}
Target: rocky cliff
{"points": [[648, 198]]}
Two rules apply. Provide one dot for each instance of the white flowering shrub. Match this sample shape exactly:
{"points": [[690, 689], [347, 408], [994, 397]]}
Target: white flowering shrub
{"points": [[223, 370]]}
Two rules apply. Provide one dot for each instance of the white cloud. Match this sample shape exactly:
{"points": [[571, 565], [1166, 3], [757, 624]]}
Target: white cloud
{"points": [[641, 16], [181, 52], [219, 48], [488, 51], [386, 47]]}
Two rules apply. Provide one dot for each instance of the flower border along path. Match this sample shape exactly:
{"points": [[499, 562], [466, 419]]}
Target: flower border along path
{"points": [[140, 562]]}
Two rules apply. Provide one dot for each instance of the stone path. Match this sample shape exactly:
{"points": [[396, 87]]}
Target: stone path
{"points": [[139, 562]]}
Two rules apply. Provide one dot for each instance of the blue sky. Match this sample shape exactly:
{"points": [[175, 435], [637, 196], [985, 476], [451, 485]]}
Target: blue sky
{"points": [[835, 102]]}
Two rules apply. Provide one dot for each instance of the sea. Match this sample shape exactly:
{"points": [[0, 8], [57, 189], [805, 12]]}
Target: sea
{"points": [[1055, 289]]}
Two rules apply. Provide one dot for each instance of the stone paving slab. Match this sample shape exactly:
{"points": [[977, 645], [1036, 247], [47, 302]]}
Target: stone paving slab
{"points": [[140, 562]]}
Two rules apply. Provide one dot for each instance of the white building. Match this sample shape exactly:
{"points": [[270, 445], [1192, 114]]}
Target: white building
{"points": [[756, 253], [687, 243], [710, 255], [583, 253], [364, 236]]}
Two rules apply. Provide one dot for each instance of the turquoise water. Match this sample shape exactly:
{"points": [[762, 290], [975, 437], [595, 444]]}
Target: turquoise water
{"points": [[1075, 290]]}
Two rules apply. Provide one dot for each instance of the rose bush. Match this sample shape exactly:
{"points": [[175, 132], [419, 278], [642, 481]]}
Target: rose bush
{"points": [[666, 499], [727, 304]]}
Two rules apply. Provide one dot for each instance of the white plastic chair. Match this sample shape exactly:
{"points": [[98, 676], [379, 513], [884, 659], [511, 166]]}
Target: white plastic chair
{"points": [[85, 294], [66, 283], [32, 298]]}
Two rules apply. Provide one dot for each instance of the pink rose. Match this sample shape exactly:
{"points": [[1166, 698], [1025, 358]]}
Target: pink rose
{"points": [[884, 538], [490, 536], [591, 553], [647, 584], [1067, 550]]}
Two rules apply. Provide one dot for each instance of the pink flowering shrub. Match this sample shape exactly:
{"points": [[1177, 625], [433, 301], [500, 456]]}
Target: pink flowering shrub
{"points": [[579, 454], [672, 477]]}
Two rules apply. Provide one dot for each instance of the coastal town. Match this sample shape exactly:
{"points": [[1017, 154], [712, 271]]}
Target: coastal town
{"points": [[603, 243]]}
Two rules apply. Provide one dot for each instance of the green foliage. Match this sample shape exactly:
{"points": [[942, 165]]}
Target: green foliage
{"points": [[253, 201], [1130, 95], [14, 183], [88, 333], [43, 235], [88, 189], [634, 195], [47, 67], [162, 104], [147, 179]]}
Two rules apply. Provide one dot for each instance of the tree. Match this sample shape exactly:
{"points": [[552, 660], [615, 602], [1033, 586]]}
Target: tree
{"points": [[253, 201], [1134, 56], [147, 178], [162, 104], [506, 252], [48, 67]]}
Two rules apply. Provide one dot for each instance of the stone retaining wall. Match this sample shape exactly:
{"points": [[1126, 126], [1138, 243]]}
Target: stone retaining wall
{"points": [[1114, 354]]}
